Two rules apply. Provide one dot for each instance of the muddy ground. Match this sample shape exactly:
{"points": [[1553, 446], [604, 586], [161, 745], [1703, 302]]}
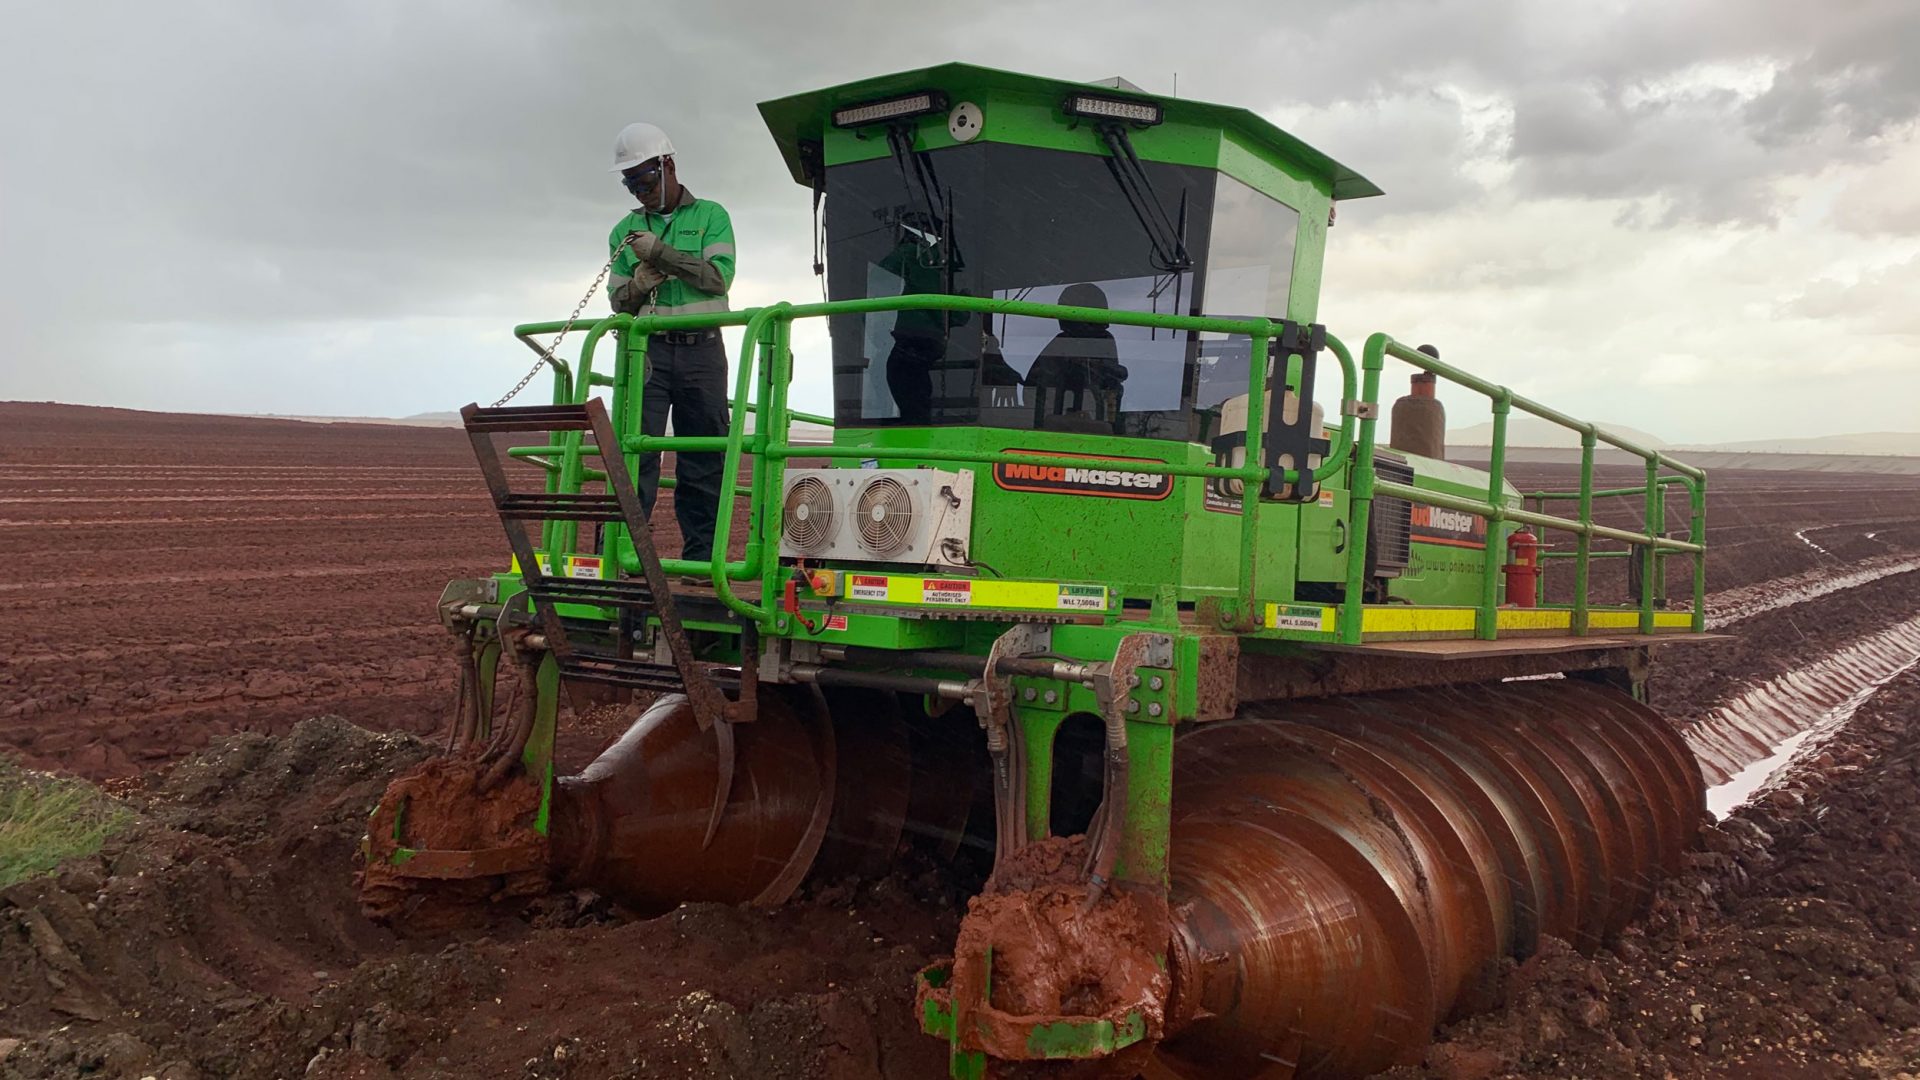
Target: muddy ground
{"points": [[190, 584]]}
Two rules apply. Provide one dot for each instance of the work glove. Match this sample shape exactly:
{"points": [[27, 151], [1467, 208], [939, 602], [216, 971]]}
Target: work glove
{"points": [[630, 294], [645, 247]]}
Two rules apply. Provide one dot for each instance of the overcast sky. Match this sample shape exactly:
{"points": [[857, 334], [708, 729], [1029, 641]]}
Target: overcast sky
{"points": [[1701, 219]]}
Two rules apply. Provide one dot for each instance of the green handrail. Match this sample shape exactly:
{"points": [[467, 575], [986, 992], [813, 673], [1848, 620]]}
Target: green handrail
{"points": [[765, 372], [1367, 486], [766, 364]]}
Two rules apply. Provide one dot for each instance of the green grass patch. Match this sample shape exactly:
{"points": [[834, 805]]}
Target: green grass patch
{"points": [[45, 820]]}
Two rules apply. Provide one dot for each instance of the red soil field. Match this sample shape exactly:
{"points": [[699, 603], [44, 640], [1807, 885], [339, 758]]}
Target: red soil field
{"points": [[177, 580]]}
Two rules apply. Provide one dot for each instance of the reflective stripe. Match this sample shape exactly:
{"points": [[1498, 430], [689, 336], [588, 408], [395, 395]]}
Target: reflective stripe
{"points": [[711, 250], [698, 307]]}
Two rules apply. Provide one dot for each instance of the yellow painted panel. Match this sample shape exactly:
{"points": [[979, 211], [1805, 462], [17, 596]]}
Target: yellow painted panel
{"points": [[1533, 619], [1399, 620]]}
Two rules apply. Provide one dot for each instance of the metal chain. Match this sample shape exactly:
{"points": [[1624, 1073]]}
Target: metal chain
{"points": [[546, 354]]}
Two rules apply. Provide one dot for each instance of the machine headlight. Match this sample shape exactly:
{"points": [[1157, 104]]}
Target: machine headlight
{"points": [[897, 108], [1093, 107]]}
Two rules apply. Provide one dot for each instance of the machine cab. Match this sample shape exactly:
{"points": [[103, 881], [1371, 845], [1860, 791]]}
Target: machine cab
{"points": [[967, 181]]}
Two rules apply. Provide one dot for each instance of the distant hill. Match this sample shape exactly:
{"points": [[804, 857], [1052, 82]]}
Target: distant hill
{"points": [[1903, 443], [1529, 431], [1532, 431]]}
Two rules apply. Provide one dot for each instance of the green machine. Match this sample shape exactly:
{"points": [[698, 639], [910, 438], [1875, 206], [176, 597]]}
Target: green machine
{"points": [[1269, 740]]}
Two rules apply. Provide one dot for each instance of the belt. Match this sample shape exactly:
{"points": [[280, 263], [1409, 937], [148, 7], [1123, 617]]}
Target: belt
{"points": [[685, 337]]}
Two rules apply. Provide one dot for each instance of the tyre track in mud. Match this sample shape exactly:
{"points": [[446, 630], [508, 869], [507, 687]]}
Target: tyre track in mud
{"points": [[144, 629]]}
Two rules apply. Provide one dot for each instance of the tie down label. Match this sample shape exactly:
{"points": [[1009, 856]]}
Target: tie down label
{"points": [[1101, 477]]}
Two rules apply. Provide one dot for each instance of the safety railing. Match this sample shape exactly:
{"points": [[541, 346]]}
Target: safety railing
{"points": [[1658, 582], [1495, 508], [765, 371]]}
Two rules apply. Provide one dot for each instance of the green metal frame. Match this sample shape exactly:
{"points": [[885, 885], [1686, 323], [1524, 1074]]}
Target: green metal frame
{"points": [[1158, 698], [1367, 486]]}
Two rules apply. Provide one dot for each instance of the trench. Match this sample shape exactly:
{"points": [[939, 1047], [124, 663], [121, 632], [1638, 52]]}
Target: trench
{"points": [[1736, 605], [1743, 744]]}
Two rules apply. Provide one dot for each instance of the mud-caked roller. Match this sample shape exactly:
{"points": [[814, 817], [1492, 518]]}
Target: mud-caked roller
{"points": [[1099, 575]]}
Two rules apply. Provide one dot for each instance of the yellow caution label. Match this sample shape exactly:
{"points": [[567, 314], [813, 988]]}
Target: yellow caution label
{"points": [[996, 593], [579, 566]]}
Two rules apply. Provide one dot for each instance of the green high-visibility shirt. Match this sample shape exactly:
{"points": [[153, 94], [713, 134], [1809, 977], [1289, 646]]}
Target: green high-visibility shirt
{"points": [[697, 228]]}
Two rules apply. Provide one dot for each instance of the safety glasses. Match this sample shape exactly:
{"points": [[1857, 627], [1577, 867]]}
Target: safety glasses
{"points": [[641, 181]]}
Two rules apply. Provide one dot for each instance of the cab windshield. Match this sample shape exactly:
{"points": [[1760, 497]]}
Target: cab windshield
{"points": [[1051, 227]]}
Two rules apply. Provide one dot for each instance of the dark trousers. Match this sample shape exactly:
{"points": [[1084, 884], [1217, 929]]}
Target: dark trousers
{"points": [[690, 378]]}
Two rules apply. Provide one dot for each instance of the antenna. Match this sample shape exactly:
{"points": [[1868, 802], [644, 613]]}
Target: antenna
{"points": [[1176, 85]]}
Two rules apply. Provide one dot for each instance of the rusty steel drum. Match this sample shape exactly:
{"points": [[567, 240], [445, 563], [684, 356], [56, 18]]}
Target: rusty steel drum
{"points": [[1349, 872], [807, 795]]}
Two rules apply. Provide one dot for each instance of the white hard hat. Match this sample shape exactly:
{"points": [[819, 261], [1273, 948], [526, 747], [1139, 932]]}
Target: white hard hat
{"points": [[639, 143]]}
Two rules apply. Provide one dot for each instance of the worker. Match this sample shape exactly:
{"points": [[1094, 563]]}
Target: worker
{"points": [[673, 255], [1081, 366]]}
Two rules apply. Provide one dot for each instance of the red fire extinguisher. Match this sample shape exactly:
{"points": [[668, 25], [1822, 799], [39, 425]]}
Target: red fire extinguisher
{"points": [[1523, 567]]}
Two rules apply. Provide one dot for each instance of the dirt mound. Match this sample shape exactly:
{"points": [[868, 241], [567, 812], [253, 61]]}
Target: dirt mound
{"points": [[1788, 949], [224, 895], [219, 935]]}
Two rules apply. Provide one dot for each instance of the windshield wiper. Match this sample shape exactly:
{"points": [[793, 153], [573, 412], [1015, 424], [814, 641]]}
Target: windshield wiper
{"points": [[923, 189], [1168, 239]]}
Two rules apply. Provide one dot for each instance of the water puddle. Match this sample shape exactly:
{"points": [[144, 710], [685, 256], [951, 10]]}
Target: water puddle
{"points": [[1733, 605], [1744, 744], [1801, 535]]}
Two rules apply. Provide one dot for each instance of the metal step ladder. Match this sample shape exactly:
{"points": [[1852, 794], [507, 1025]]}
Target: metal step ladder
{"points": [[636, 598]]}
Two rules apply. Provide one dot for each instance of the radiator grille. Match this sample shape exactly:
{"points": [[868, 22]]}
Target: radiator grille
{"points": [[1390, 529]]}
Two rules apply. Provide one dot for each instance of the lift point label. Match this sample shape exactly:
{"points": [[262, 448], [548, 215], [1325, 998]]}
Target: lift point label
{"points": [[1102, 477]]}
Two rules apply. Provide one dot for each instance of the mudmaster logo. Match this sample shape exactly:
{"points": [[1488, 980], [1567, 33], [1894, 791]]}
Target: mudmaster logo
{"points": [[1102, 477], [1438, 525]]}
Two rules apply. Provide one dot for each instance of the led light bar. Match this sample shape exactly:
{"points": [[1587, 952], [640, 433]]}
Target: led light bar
{"points": [[897, 108], [1142, 113]]}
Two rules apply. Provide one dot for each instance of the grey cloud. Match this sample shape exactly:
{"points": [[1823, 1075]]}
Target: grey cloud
{"points": [[1879, 302], [355, 194], [1675, 156], [1860, 73], [1412, 144]]}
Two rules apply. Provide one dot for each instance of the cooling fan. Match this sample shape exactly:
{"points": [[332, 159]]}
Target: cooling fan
{"points": [[808, 514], [884, 515]]}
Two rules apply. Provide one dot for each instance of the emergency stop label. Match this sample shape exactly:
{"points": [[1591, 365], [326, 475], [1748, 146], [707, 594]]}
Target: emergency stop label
{"points": [[1439, 525], [1101, 477], [866, 587]]}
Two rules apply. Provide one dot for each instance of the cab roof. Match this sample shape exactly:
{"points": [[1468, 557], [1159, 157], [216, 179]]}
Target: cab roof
{"points": [[803, 117]]}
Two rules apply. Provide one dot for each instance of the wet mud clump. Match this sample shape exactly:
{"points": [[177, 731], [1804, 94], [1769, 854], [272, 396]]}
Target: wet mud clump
{"points": [[1050, 947], [439, 809]]}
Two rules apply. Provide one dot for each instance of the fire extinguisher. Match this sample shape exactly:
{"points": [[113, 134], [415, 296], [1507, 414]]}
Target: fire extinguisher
{"points": [[1523, 567]]}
